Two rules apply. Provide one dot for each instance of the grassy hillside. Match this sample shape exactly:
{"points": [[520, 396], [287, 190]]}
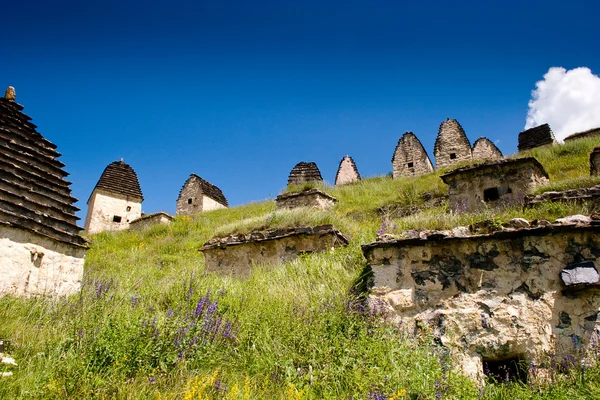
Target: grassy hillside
{"points": [[149, 323]]}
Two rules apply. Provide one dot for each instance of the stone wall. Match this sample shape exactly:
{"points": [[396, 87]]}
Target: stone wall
{"points": [[236, 254], [535, 137], [347, 172], [33, 265], [590, 196], [198, 195], [209, 204], [585, 134], [111, 211], [410, 157], [484, 149], [148, 220], [508, 295], [595, 162], [493, 183], [451, 145], [313, 198]]}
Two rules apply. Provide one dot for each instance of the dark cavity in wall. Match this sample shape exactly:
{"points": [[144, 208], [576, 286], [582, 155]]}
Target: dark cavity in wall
{"points": [[491, 194], [508, 370]]}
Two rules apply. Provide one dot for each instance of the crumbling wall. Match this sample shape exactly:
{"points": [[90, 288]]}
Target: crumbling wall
{"points": [[146, 221], [451, 145], [347, 172], [484, 149], [410, 157], [535, 137]]}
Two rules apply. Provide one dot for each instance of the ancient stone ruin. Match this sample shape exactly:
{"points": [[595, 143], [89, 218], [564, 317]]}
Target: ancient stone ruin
{"points": [[595, 162], [115, 201], [313, 198], [237, 254], [585, 134], [41, 251], [304, 172], [347, 172], [198, 195], [514, 296], [451, 145], [589, 196], [148, 220], [535, 137], [485, 149], [493, 183], [410, 157]]}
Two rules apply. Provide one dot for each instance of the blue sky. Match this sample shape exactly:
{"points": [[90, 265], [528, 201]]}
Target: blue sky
{"points": [[239, 92]]}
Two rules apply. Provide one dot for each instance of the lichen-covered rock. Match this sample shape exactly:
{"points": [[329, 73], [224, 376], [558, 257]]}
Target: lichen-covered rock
{"points": [[574, 219], [485, 149], [451, 145], [410, 157], [347, 172]]}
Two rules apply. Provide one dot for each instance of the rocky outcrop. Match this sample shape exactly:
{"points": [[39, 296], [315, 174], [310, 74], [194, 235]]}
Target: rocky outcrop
{"points": [[410, 157], [584, 134], [595, 162], [304, 172], [535, 137], [313, 198], [451, 145], [485, 149], [236, 254], [347, 172]]}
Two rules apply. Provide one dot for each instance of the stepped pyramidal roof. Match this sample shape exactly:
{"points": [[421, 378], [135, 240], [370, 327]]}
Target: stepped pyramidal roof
{"points": [[304, 172], [34, 194], [207, 188], [120, 178]]}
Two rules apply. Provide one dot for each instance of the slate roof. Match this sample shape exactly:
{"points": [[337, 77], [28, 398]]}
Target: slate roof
{"points": [[119, 178], [34, 194], [304, 172], [208, 189], [536, 137]]}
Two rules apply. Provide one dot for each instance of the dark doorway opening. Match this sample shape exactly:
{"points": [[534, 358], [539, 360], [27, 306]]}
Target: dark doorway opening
{"points": [[491, 194], [410, 165], [509, 370]]}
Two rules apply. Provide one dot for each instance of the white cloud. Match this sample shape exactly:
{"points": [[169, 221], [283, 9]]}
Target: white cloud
{"points": [[569, 101]]}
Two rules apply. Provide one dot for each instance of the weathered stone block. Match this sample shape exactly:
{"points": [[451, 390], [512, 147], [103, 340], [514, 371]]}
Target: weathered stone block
{"points": [[313, 198], [583, 273]]}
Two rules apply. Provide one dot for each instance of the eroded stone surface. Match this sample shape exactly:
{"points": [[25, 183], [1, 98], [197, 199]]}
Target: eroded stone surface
{"points": [[491, 297], [410, 157], [485, 149], [313, 198], [583, 273], [451, 145], [236, 254], [347, 172]]}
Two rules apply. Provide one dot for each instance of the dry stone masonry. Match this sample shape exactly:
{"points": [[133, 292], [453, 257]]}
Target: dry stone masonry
{"points": [[410, 157], [493, 183], [595, 162], [589, 196], [535, 137], [585, 134], [148, 220], [517, 295], [485, 149], [304, 172], [347, 172], [313, 198], [41, 251], [115, 201], [198, 195], [451, 145], [237, 254]]}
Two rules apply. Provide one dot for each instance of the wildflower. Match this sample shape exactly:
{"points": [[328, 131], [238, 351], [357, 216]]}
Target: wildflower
{"points": [[151, 380]]}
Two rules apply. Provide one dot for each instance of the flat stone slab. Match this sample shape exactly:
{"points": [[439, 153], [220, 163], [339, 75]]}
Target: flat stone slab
{"points": [[236, 254], [313, 198], [583, 273]]}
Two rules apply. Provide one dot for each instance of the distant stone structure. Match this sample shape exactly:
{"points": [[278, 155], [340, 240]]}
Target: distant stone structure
{"points": [[313, 198], [493, 183], [347, 172], [304, 172], [584, 134], [485, 149], [148, 220], [451, 145], [41, 252], [595, 162], [535, 137], [410, 157], [198, 195], [115, 201]]}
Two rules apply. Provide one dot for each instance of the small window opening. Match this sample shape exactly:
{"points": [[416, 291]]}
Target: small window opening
{"points": [[128, 208], [189, 201], [410, 165], [509, 370], [509, 190], [452, 156], [491, 194], [116, 218]]}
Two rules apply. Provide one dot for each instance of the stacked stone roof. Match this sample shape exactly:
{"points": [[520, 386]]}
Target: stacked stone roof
{"points": [[451, 144], [536, 137], [346, 161], [119, 178], [304, 172], [410, 150], [34, 194], [484, 148], [208, 189], [584, 134]]}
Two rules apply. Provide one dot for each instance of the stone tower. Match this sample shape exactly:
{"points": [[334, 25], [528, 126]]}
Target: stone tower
{"points": [[41, 251], [347, 172], [115, 201], [304, 172], [410, 157], [198, 195], [485, 149], [451, 145]]}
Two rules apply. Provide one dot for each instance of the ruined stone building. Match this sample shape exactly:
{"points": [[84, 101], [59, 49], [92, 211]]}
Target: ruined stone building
{"points": [[451, 145], [347, 172], [584, 134], [595, 162], [535, 137], [410, 157], [198, 195], [493, 183], [304, 172], [41, 251], [485, 149], [115, 201]]}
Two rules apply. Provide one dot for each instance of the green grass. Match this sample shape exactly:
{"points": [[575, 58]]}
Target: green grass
{"points": [[298, 329]]}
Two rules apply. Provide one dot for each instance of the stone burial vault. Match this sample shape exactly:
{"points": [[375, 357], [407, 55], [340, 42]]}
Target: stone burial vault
{"points": [[198, 195], [451, 145], [313, 198], [410, 157], [536, 137], [347, 172], [41, 251]]}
